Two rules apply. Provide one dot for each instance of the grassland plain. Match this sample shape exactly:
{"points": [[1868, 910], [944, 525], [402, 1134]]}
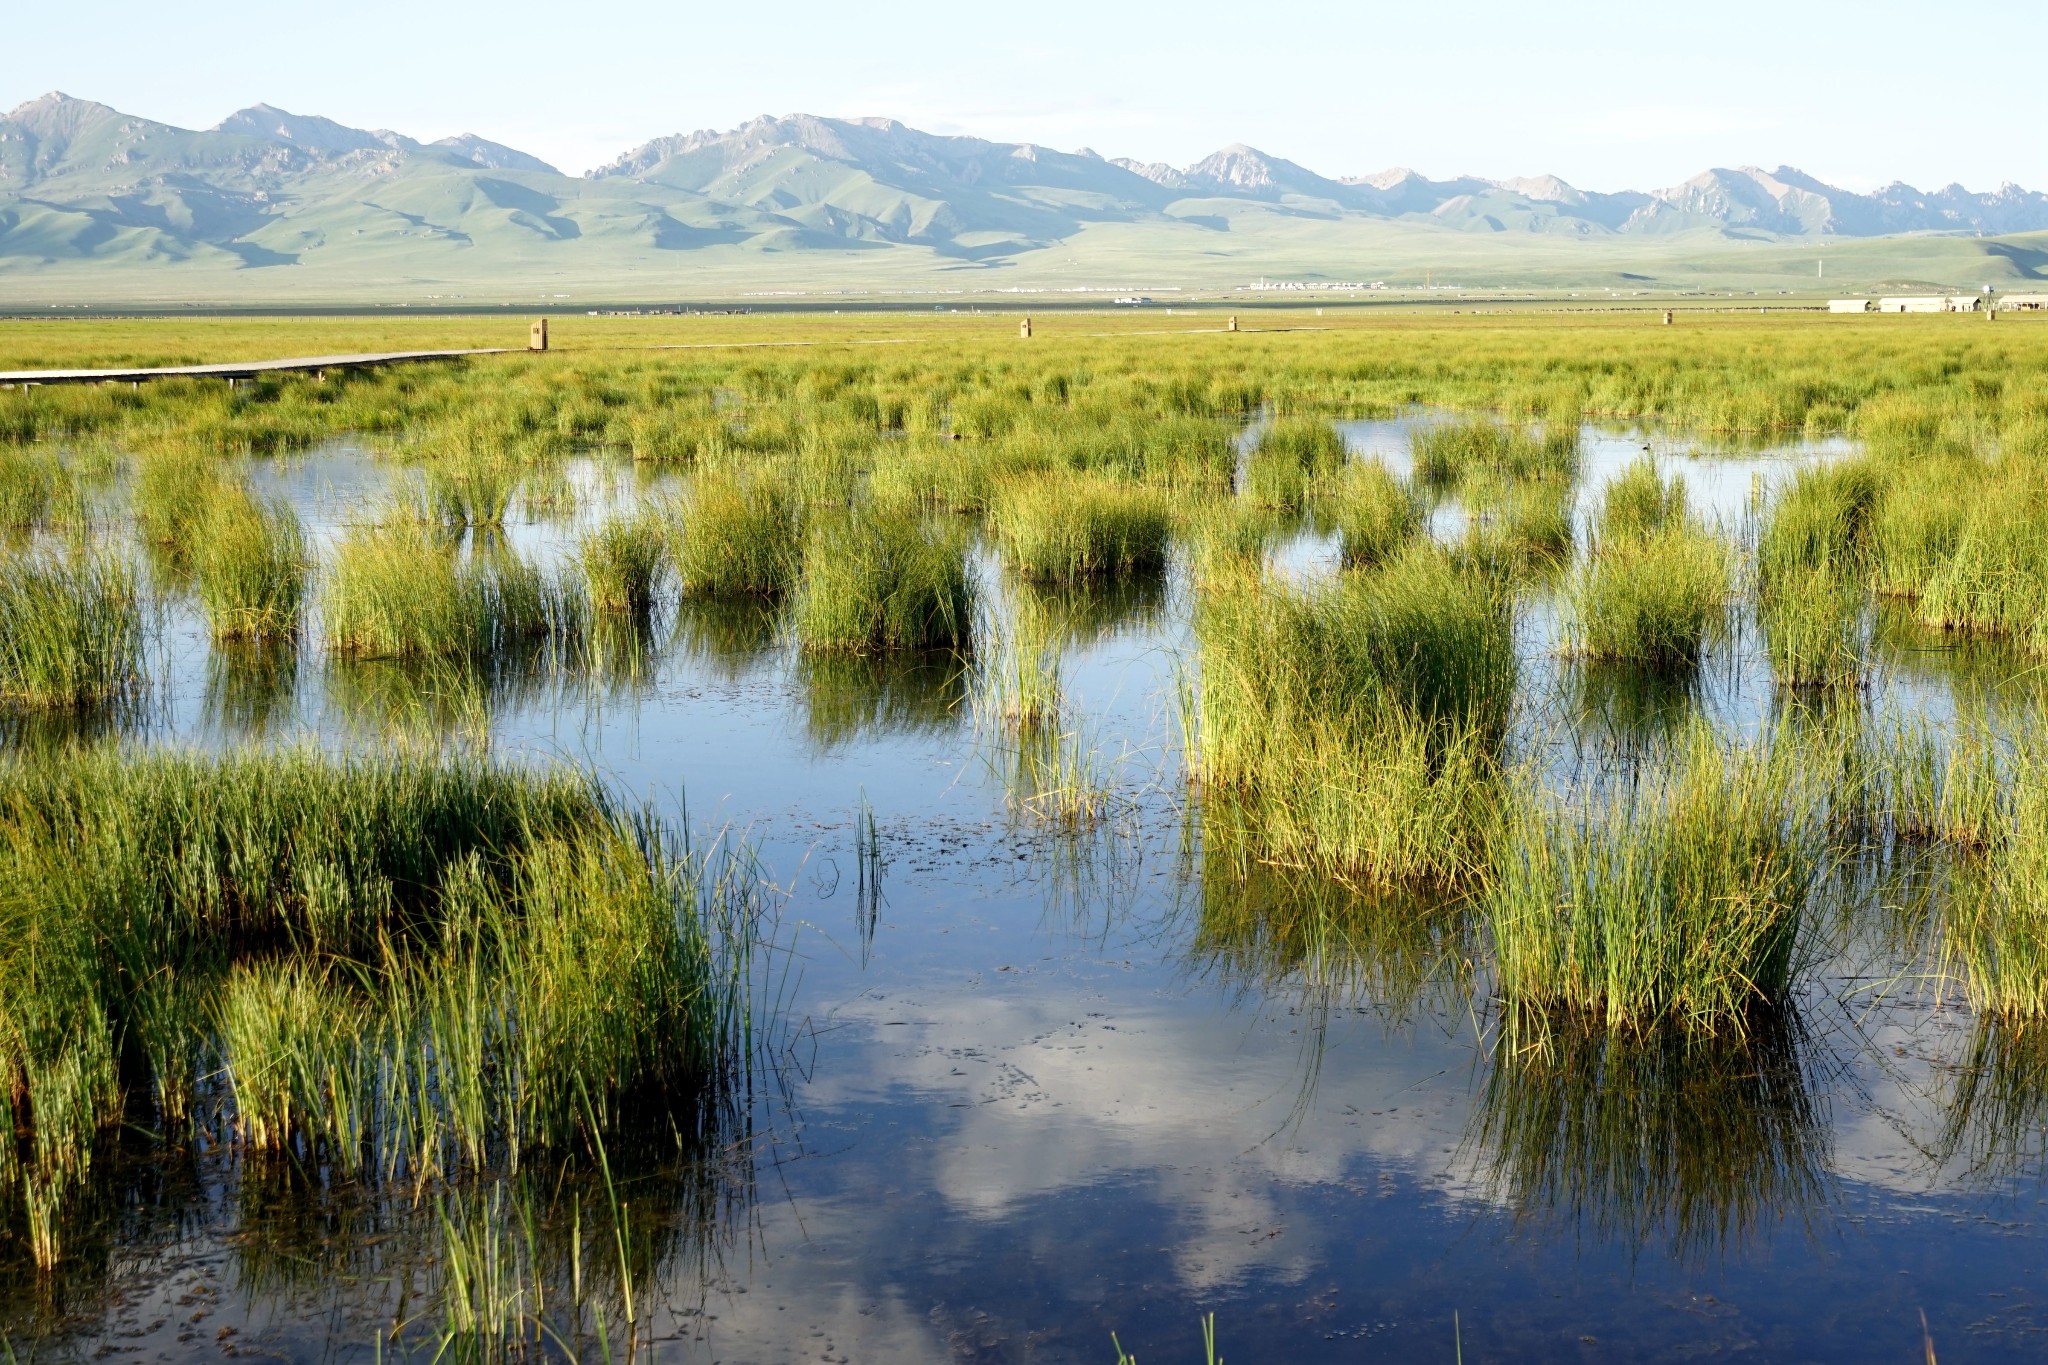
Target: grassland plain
{"points": [[1363, 740]]}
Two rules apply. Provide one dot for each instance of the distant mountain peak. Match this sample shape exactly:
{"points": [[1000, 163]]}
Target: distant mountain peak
{"points": [[59, 114], [494, 156], [82, 183], [310, 131]]}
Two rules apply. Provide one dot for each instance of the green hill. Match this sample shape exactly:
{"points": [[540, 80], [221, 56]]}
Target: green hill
{"points": [[100, 207]]}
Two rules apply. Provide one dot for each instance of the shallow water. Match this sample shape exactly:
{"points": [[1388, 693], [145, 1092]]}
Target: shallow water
{"points": [[1044, 1094]]}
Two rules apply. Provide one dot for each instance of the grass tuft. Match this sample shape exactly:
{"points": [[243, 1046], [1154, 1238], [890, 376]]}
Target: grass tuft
{"points": [[71, 628], [876, 580], [1676, 901]]}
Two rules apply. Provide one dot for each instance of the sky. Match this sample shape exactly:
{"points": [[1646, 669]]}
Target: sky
{"points": [[1608, 96]]}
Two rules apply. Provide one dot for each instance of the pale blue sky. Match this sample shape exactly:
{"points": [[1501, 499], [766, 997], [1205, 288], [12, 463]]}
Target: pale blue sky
{"points": [[1607, 95]]}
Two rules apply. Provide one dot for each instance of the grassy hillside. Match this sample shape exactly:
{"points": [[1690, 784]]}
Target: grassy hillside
{"points": [[513, 247], [101, 209]]}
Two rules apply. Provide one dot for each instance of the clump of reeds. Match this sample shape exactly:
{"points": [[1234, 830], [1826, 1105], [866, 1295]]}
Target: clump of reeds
{"points": [[1920, 519], [1448, 453], [1813, 558], [1996, 934], [1812, 620], [403, 968], [1674, 901], [623, 562], [1357, 723], [1914, 781], [173, 494], [1063, 527], [1291, 457], [1640, 502], [935, 474], [250, 564], [1376, 515], [1995, 580], [401, 591], [883, 580], [1224, 536], [1821, 520], [1655, 602], [1654, 590], [1018, 683], [71, 627], [474, 489], [1517, 523], [37, 489], [737, 536]]}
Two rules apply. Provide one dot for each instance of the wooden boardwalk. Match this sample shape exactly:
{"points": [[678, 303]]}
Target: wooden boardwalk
{"points": [[248, 369]]}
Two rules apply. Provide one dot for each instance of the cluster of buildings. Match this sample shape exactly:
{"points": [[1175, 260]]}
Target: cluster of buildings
{"points": [[1941, 303]]}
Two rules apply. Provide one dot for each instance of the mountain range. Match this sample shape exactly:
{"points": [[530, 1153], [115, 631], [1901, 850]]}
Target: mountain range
{"points": [[288, 204]]}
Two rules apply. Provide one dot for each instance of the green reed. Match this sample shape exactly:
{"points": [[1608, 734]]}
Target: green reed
{"points": [[1653, 599], [1017, 684], [1375, 514], [411, 968], [1292, 456], [1357, 722], [623, 562], [737, 536], [1676, 901], [1639, 503], [71, 627], [1812, 619], [1821, 520], [38, 489], [1450, 452], [250, 565], [400, 591], [1063, 527], [876, 580], [1995, 935]]}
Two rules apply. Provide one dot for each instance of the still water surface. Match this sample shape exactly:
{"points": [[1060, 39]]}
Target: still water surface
{"points": [[1034, 1096]]}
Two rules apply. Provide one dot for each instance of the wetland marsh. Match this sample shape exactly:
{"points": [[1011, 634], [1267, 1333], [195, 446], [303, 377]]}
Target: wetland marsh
{"points": [[949, 849]]}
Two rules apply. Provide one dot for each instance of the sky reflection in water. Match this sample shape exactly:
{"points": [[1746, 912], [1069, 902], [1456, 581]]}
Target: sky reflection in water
{"points": [[1072, 1089]]}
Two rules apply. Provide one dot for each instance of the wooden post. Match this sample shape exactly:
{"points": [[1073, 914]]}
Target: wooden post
{"points": [[1024, 329], [1667, 317], [1233, 323], [537, 335]]}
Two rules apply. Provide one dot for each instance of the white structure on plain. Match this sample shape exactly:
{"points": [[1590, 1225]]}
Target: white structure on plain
{"points": [[2024, 303], [1919, 303], [1848, 305]]}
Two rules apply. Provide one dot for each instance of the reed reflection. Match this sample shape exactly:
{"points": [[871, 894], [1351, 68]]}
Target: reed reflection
{"points": [[849, 697], [251, 687], [1703, 1144], [1260, 928], [731, 637], [1996, 1125]]}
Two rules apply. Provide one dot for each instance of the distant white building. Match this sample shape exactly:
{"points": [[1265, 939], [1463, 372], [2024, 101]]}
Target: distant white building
{"points": [[1919, 303], [1964, 303], [1848, 305], [2023, 303]]}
